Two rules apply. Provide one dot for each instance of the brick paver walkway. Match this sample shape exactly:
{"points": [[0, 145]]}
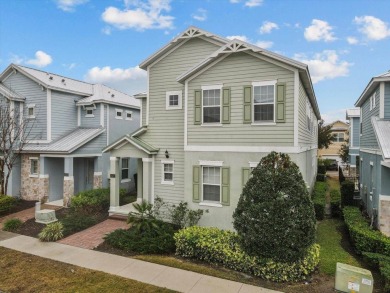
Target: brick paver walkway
{"points": [[93, 236], [25, 214]]}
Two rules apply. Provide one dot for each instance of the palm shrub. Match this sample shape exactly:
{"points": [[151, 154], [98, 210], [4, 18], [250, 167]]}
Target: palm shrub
{"points": [[12, 225], [52, 232], [143, 219], [275, 216]]}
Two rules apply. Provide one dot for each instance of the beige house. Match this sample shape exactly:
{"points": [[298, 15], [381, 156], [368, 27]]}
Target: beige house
{"points": [[340, 135]]}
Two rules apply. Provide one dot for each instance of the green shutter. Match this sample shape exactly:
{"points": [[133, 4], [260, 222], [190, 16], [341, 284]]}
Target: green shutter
{"points": [[198, 107], [225, 186], [226, 105], [246, 173], [248, 104], [280, 102], [196, 183]]}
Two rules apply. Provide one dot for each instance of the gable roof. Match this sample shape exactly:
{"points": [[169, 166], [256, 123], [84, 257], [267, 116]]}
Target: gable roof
{"points": [[68, 143], [354, 112], [191, 32], [374, 82], [10, 94], [382, 133]]}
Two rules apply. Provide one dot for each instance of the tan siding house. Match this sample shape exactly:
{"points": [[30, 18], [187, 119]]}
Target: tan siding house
{"points": [[340, 135], [214, 108]]}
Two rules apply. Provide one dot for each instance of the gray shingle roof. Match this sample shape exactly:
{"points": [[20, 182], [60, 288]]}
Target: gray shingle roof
{"points": [[382, 132], [67, 143]]}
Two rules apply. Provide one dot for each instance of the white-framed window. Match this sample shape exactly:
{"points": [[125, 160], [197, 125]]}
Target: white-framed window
{"points": [[308, 116], [173, 100], [125, 168], [264, 101], [118, 113], [31, 111], [211, 184], [129, 115], [211, 104], [372, 178], [167, 172], [338, 137], [33, 167], [89, 112], [372, 102]]}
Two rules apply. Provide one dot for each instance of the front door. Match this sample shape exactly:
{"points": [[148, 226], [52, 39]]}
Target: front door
{"points": [[89, 170]]}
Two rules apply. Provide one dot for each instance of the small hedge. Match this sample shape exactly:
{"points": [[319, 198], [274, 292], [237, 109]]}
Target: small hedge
{"points": [[91, 201], [319, 199], [6, 203], [347, 190], [364, 238], [335, 203], [12, 225], [383, 264], [217, 246], [77, 222], [321, 177], [321, 169]]}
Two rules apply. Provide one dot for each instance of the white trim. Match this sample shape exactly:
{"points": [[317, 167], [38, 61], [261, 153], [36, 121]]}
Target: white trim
{"points": [[212, 184], [179, 102], [253, 164], [210, 204], [382, 100], [212, 87], [37, 141], [152, 195], [131, 115], [385, 164], [125, 180], [89, 109], [121, 145], [48, 114], [97, 173], [371, 163], [43, 176], [210, 163], [384, 197], [260, 84], [248, 149], [185, 113], [114, 158], [147, 160], [108, 124], [128, 169], [148, 95], [68, 178], [168, 161], [28, 107], [171, 162], [118, 111], [296, 108], [351, 134], [207, 88], [70, 156], [102, 115], [211, 124], [264, 82], [262, 123], [354, 148], [33, 158], [78, 115], [33, 175], [12, 115], [371, 151], [140, 114]]}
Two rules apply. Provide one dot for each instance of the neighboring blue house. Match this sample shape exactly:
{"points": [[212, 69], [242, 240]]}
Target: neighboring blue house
{"points": [[374, 103], [353, 116], [72, 122]]}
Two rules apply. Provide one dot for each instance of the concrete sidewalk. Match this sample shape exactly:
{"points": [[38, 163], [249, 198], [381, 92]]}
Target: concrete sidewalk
{"points": [[158, 275]]}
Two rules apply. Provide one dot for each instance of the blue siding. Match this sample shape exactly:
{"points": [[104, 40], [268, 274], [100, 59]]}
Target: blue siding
{"points": [[34, 95], [95, 146], [91, 121], [356, 131], [387, 100], [368, 139], [120, 127], [54, 167], [63, 113]]}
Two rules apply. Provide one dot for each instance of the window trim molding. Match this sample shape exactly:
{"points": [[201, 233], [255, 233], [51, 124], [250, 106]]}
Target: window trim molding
{"points": [[30, 106], [209, 202], [163, 181], [33, 175], [128, 179], [116, 114], [86, 112], [212, 87], [263, 83], [180, 98], [129, 112], [210, 163]]}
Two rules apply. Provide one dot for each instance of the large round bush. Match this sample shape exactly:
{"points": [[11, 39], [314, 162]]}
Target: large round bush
{"points": [[275, 215]]}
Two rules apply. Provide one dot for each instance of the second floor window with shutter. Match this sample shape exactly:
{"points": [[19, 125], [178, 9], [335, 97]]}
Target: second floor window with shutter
{"points": [[211, 105], [263, 102]]}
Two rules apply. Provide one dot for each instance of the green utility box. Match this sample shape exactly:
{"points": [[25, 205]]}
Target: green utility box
{"points": [[351, 279]]}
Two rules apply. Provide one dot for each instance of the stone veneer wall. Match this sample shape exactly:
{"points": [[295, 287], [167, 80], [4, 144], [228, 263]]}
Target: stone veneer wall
{"points": [[384, 217], [97, 181], [68, 190], [33, 188]]}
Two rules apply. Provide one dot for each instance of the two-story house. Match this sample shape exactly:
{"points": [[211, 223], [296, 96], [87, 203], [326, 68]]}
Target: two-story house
{"points": [[339, 130], [374, 105], [353, 116], [69, 123], [213, 108]]}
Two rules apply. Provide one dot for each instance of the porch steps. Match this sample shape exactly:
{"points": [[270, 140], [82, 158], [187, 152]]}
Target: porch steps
{"points": [[118, 217]]}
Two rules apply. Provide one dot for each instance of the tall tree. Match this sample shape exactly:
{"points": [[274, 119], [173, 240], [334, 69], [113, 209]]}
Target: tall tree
{"points": [[344, 151], [14, 130], [325, 137]]}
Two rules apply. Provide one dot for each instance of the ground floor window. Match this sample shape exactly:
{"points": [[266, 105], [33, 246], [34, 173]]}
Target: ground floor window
{"points": [[34, 166], [125, 168], [167, 172], [211, 184]]}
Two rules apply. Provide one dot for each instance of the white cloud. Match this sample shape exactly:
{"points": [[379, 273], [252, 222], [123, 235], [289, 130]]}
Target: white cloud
{"points": [[106, 30], [42, 59], [373, 28], [200, 15], [352, 40], [319, 31], [267, 27], [140, 15], [69, 66], [249, 3], [69, 5], [325, 65], [16, 59], [241, 38], [129, 80], [264, 44]]}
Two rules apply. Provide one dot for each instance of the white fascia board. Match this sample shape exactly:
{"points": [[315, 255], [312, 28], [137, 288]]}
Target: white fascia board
{"points": [[148, 99], [102, 115], [185, 113], [248, 149], [382, 100], [48, 94], [296, 108]]}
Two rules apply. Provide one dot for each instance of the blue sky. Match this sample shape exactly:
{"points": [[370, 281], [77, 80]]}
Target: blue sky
{"points": [[344, 43]]}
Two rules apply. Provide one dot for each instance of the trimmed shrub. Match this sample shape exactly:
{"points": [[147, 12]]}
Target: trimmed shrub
{"points": [[321, 177], [364, 238], [91, 201], [319, 199], [341, 176], [6, 203], [335, 203], [52, 232], [347, 190], [275, 216], [12, 225], [222, 247], [181, 216], [78, 222], [158, 239], [383, 264], [321, 169]]}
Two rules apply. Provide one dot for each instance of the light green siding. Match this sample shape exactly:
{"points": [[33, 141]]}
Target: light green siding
{"points": [[306, 137], [235, 72], [143, 109], [166, 127]]}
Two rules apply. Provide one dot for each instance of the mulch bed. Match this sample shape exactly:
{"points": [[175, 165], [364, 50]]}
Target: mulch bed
{"points": [[20, 205]]}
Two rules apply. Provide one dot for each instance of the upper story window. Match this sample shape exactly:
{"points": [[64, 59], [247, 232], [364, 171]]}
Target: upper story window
{"points": [[31, 111], [338, 137], [119, 114], [173, 100], [129, 115], [89, 112], [264, 101], [372, 102], [308, 116], [211, 103]]}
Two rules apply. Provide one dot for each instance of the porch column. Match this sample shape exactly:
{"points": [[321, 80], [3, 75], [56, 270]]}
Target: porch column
{"points": [[43, 187], [114, 183], [139, 180], [147, 179], [68, 180]]}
